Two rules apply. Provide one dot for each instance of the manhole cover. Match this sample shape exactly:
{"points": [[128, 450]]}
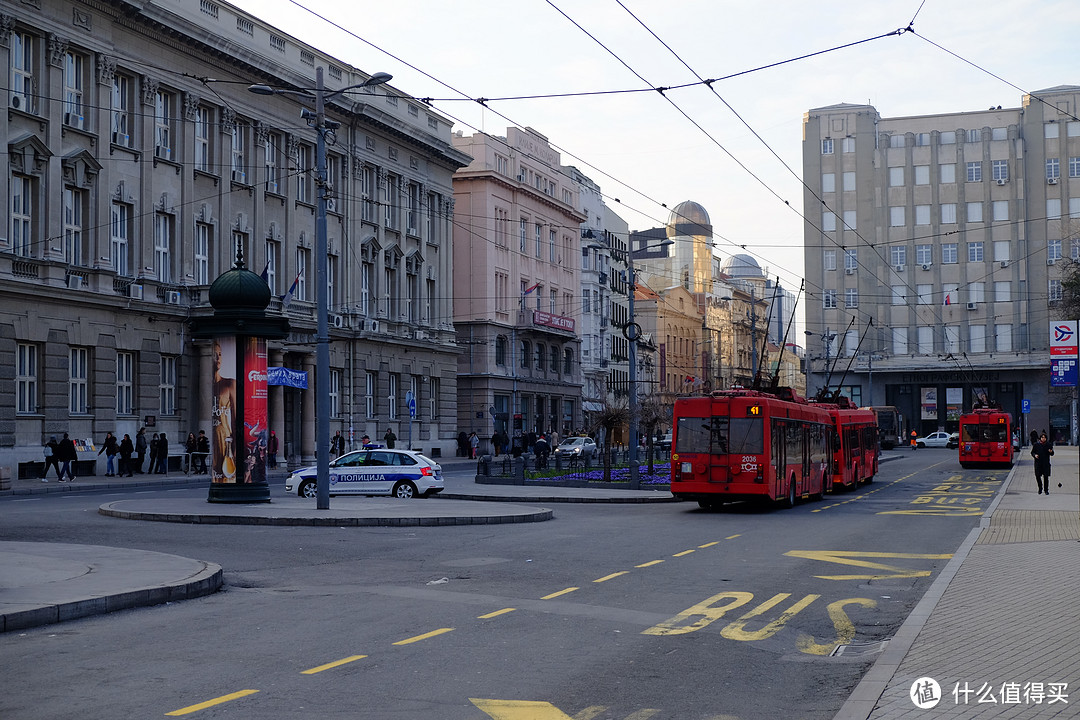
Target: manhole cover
{"points": [[855, 649]]}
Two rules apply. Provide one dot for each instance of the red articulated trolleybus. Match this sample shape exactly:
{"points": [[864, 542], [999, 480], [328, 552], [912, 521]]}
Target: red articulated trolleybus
{"points": [[986, 437], [854, 444], [749, 445]]}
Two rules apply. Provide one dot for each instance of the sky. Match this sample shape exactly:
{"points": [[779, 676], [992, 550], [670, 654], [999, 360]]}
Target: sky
{"points": [[735, 149]]}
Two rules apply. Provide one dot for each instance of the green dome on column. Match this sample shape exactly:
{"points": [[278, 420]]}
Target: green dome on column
{"points": [[239, 289]]}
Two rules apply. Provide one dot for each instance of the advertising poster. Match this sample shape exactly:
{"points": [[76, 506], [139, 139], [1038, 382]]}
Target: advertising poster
{"points": [[1064, 353], [929, 403], [255, 420], [954, 403], [223, 411]]}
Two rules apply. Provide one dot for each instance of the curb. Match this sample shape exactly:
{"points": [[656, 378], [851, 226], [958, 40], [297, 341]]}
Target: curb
{"points": [[206, 582]]}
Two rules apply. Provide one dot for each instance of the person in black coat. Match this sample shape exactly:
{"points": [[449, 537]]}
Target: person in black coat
{"points": [[162, 454], [1042, 451], [68, 454], [52, 459], [111, 449], [140, 448], [127, 448]]}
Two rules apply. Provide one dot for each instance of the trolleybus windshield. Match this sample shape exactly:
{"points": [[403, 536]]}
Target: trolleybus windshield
{"points": [[721, 436], [986, 432]]}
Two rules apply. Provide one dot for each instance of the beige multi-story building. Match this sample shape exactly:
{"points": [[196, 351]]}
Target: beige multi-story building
{"points": [[139, 163], [935, 258], [517, 281]]}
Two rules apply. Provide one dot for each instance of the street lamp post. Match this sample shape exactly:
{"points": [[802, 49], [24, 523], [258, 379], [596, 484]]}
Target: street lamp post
{"points": [[321, 125], [632, 334]]}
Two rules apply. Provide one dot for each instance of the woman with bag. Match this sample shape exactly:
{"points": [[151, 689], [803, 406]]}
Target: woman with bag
{"points": [[52, 459]]}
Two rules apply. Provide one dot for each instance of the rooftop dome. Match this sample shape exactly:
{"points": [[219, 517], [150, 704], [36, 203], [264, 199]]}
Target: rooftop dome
{"points": [[741, 266], [689, 218]]}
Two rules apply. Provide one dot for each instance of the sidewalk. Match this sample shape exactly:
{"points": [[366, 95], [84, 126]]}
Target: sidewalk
{"points": [[1000, 620]]}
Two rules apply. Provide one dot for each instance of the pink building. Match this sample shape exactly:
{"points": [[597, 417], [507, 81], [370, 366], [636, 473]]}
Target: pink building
{"points": [[516, 265]]}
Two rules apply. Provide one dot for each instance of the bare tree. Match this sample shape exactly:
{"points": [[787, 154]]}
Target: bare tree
{"points": [[1070, 290], [610, 418], [653, 414]]}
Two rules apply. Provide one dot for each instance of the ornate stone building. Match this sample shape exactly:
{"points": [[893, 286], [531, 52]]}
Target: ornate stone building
{"points": [[139, 163]]}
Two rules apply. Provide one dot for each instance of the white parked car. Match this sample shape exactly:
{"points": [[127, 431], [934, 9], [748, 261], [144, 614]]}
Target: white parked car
{"points": [[938, 439], [576, 448], [378, 471]]}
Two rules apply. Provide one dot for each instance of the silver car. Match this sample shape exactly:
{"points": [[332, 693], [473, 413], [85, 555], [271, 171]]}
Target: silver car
{"points": [[576, 448], [376, 471]]}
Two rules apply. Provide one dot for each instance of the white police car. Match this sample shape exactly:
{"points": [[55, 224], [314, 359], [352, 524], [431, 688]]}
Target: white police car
{"points": [[376, 471]]}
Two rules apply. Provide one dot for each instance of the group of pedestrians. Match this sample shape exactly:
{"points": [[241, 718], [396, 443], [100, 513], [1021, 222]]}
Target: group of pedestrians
{"points": [[123, 458], [198, 452]]}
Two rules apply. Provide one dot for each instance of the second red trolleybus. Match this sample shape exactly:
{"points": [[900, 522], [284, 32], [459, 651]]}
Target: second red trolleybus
{"points": [[749, 445], [986, 437], [854, 445]]}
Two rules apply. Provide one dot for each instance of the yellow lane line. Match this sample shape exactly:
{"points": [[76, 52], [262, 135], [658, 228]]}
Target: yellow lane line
{"points": [[336, 663], [732, 537], [702, 547], [425, 636], [609, 577], [497, 613], [211, 703], [648, 564], [684, 552], [557, 594]]}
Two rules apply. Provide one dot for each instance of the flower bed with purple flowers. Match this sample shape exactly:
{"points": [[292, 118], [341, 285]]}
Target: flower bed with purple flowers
{"points": [[658, 479]]}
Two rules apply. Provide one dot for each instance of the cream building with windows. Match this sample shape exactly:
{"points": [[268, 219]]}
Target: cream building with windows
{"points": [[947, 232]]}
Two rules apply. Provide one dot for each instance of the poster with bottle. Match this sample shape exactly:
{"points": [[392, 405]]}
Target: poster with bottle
{"points": [[255, 411], [223, 412]]}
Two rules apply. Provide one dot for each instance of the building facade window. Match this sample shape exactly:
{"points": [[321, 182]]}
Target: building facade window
{"points": [[900, 340], [78, 380], [924, 254], [1053, 249], [851, 297], [1054, 290], [848, 145], [1074, 167], [123, 89], [828, 260], [899, 294], [828, 182], [922, 174], [974, 211], [975, 251], [164, 109], [238, 153], [500, 350], [851, 259], [74, 200], [26, 375], [392, 395], [828, 221], [1003, 337], [22, 215], [167, 386], [335, 393], [999, 169], [1001, 210], [273, 256], [947, 172], [829, 299], [896, 176], [163, 246], [949, 253], [948, 213], [898, 255], [974, 171], [74, 84], [922, 214], [1002, 291], [433, 398], [201, 253], [125, 383], [120, 245], [1053, 168], [827, 146], [896, 216], [23, 66], [370, 384], [203, 123]]}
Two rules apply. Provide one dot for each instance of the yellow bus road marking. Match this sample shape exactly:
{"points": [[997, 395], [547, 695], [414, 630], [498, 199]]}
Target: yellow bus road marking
{"points": [[875, 490], [952, 511], [684, 552], [567, 591], [706, 545], [211, 703], [609, 577], [425, 636], [732, 537], [519, 710], [649, 564], [497, 613], [849, 558], [643, 714], [336, 663]]}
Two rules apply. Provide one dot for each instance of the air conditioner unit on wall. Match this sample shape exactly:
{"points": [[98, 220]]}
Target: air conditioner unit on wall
{"points": [[337, 321], [331, 205], [1004, 263], [899, 268], [926, 266], [1001, 181], [136, 292], [1051, 181], [75, 282], [1051, 261], [972, 306], [372, 326], [849, 271], [172, 297]]}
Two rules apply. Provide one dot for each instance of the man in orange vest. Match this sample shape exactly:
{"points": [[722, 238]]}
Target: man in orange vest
{"points": [[914, 445]]}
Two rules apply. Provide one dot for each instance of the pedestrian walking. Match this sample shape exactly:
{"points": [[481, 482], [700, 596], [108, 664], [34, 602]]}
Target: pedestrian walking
{"points": [[154, 442], [162, 454], [52, 459], [1042, 450], [111, 449], [474, 445], [390, 438], [140, 448], [127, 448], [543, 449], [914, 440], [190, 448], [68, 454], [202, 451], [337, 445], [271, 450]]}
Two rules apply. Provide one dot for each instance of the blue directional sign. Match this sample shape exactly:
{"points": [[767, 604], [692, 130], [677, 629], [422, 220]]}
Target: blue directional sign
{"points": [[1025, 406]]}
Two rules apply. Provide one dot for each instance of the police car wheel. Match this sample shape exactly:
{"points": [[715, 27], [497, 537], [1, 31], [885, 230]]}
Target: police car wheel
{"points": [[308, 489], [405, 490]]}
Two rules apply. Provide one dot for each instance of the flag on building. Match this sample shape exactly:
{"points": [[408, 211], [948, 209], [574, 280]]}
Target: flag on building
{"points": [[266, 273], [947, 300], [531, 289], [288, 296]]}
